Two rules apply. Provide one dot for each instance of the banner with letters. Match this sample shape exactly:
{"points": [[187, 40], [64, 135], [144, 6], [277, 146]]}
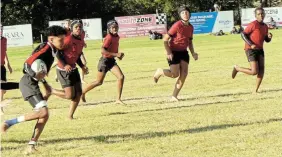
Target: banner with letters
{"points": [[18, 35], [248, 15], [92, 28], [212, 22], [140, 25]]}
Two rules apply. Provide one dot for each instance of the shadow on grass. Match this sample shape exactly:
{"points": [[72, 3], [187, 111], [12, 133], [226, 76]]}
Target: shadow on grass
{"points": [[162, 96], [176, 107], [127, 137], [185, 106]]}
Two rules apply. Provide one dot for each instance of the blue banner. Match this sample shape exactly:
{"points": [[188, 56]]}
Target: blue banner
{"points": [[203, 22]]}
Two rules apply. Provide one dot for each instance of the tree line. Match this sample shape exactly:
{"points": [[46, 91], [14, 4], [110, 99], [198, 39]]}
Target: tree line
{"points": [[40, 12]]}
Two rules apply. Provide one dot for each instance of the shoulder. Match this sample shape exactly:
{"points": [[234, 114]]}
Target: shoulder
{"points": [[108, 37], [191, 26], [177, 24], [4, 39], [41, 47], [265, 25], [116, 37], [253, 23], [68, 38]]}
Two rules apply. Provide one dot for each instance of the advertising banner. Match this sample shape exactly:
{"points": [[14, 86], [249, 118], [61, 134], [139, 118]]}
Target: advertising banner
{"points": [[211, 22], [92, 28], [18, 35], [140, 25]]}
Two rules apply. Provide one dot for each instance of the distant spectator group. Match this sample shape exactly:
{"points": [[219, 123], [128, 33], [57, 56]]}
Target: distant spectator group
{"points": [[272, 24], [237, 31], [155, 35]]}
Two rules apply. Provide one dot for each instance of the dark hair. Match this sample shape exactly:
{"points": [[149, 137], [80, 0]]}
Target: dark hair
{"points": [[55, 31], [259, 8]]}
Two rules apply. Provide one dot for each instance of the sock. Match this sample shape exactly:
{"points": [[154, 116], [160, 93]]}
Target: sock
{"points": [[12, 121], [15, 121], [20, 119], [32, 142]]}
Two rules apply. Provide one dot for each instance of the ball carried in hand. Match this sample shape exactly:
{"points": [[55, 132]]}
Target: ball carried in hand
{"points": [[39, 66]]}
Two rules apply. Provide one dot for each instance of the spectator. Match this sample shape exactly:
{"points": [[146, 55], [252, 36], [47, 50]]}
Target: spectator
{"points": [[152, 35], [155, 35], [272, 24], [220, 33], [216, 7], [234, 31]]}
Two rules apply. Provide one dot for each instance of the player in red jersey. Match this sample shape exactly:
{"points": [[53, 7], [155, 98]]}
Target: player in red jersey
{"points": [[67, 71], [4, 57], [29, 84], [176, 42], [107, 62], [254, 36], [82, 57]]}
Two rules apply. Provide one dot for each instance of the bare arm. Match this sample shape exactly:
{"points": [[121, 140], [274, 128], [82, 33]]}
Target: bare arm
{"points": [[191, 48], [83, 59], [8, 64], [246, 38], [167, 48]]}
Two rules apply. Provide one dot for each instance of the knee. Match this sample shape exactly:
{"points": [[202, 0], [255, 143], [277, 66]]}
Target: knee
{"points": [[254, 72], [175, 75], [99, 82], [184, 73], [69, 96], [44, 113], [121, 77]]}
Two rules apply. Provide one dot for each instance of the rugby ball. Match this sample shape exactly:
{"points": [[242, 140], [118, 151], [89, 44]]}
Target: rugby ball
{"points": [[38, 66]]}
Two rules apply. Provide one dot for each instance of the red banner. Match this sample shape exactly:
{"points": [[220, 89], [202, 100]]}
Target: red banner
{"points": [[134, 26]]}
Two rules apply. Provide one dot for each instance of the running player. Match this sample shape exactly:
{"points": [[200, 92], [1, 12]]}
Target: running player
{"points": [[107, 62], [4, 57], [29, 84], [254, 36], [67, 23], [67, 71], [82, 57], [179, 37]]}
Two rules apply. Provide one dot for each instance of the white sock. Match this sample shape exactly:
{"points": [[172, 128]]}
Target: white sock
{"points": [[20, 119]]}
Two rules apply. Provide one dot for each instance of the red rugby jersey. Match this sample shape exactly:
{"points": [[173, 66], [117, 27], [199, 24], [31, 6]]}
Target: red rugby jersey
{"points": [[3, 49], [111, 44], [181, 36], [257, 32], [72, 51]]}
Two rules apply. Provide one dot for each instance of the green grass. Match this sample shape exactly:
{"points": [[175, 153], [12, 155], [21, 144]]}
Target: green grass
{"points": [[217, 116]]}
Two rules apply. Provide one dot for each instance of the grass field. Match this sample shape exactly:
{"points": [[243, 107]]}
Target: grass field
{"points": [[217, 116]]}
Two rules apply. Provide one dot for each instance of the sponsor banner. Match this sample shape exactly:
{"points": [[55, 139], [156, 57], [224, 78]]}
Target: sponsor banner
{"points": [[140, 25], [92, 28], [248, 15], [18, 35], [207, 22]]}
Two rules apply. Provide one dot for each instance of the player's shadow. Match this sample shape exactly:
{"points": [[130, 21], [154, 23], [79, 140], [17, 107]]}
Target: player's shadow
{"points": [[185, 106], [149, 98], [185, 99], [176, 107], [109, 139], [148, 135]]}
